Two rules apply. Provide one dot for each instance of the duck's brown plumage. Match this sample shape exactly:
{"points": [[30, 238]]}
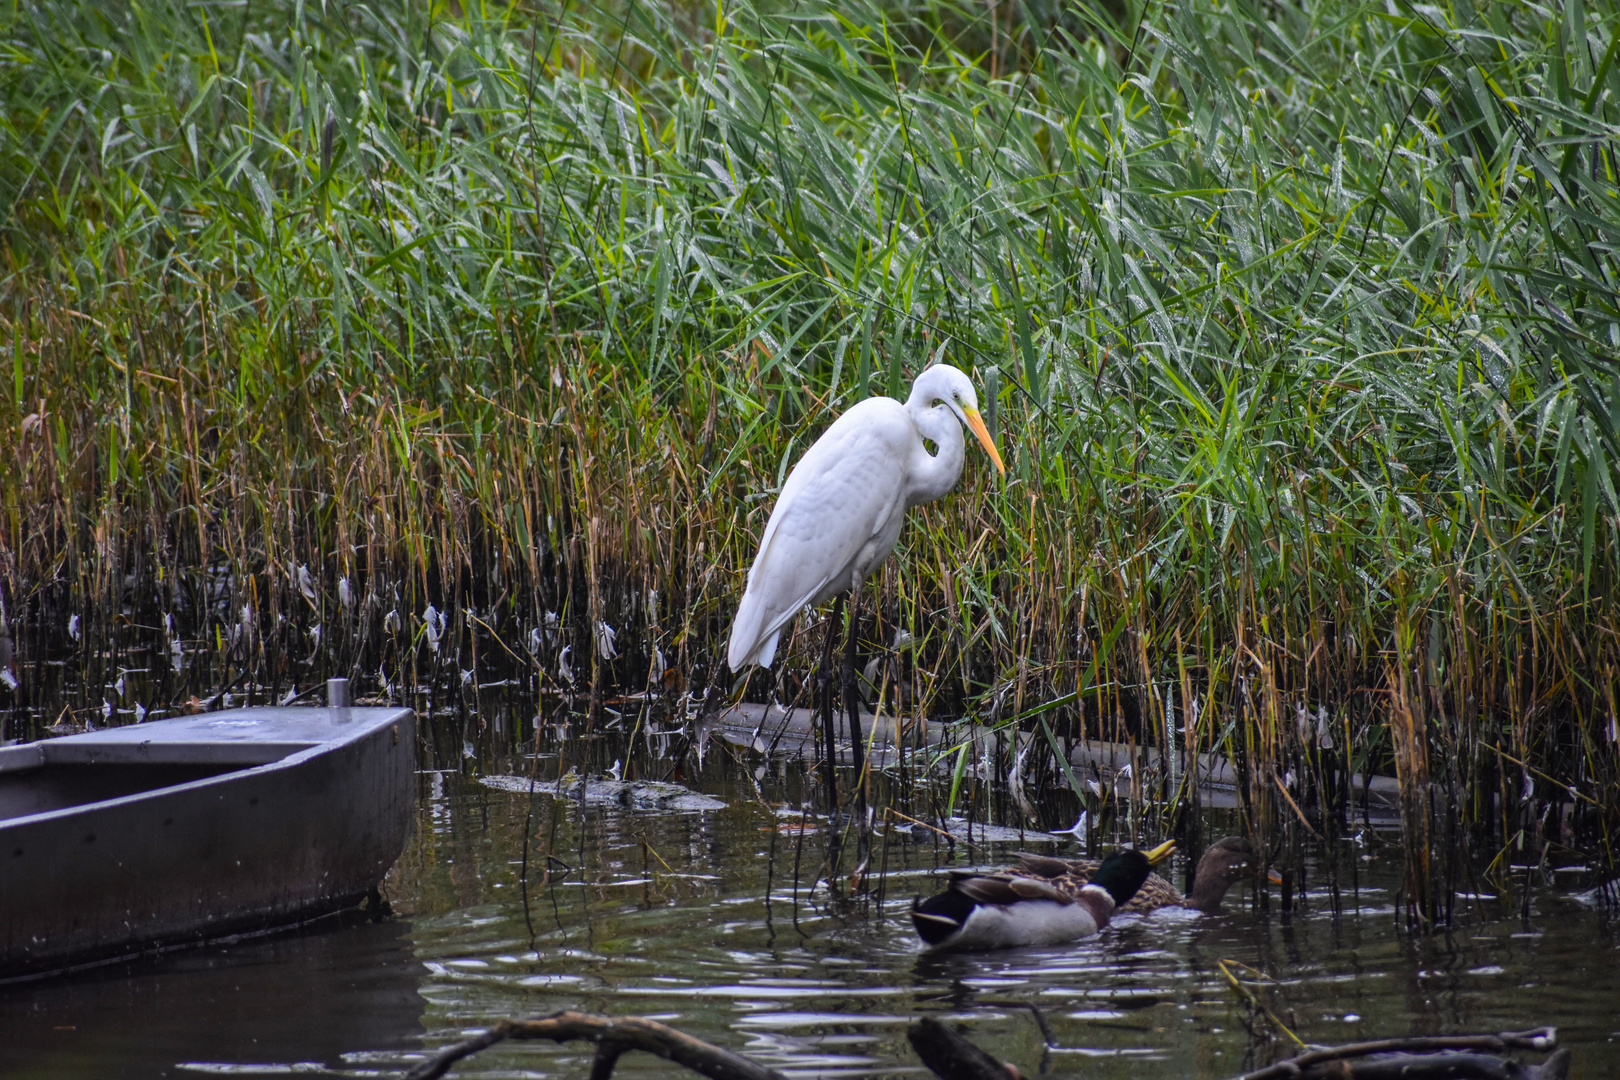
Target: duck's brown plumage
{"points": [[1225, 862]]}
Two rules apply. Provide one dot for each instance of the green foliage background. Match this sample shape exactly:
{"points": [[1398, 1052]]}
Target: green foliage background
{"points": [[1297, 320]]}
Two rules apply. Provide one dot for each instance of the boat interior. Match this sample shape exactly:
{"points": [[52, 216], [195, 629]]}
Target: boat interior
{"points": [[37, 778]]}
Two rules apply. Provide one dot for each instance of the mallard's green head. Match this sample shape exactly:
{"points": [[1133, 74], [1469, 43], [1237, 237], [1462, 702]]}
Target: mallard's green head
{"points": [[1123, 872]]}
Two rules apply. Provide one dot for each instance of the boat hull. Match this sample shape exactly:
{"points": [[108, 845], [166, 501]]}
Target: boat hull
{"points": [[239, 843]]}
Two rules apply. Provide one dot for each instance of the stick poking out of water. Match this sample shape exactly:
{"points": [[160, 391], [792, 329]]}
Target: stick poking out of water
{"points": [[950, 1055]]}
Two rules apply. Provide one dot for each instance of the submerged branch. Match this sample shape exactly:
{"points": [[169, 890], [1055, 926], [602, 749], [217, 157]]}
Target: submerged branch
{"points": [[950, 1055], [1428, 1056], [612, 1036]]}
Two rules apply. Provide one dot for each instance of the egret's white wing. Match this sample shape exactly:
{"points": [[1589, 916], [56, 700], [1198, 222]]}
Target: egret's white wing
{"points": [[838, 505]]}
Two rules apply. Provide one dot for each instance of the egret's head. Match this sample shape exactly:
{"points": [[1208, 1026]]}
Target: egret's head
{"points": [[945, 385]]}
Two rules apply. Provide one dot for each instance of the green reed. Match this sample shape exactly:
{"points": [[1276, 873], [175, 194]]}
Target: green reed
{"points": [[1297, 325]]}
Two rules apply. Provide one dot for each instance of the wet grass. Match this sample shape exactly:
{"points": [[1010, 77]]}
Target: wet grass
{"points": [[405, 340]]}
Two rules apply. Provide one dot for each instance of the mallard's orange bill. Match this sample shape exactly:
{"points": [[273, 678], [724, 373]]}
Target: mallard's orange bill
{"points": [[1162, 852], [980, 432]]}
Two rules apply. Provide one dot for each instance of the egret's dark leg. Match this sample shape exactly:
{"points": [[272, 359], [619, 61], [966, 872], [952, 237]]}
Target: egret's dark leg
{"points": [[825, 685], [852, 708]]}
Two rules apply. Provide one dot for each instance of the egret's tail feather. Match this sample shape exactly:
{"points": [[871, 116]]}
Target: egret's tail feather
{"points": [[747, 646]]}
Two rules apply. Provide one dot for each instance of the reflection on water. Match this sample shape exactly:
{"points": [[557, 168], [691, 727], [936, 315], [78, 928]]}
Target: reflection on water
{"points": [[698, 919], [335, 993]]}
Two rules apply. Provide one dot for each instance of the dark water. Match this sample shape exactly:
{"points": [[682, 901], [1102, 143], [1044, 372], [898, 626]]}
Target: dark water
{"points": [[698, 919]]}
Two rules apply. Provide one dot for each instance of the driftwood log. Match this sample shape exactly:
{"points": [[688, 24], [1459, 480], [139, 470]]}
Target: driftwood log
{"points": [[612, 1036]]}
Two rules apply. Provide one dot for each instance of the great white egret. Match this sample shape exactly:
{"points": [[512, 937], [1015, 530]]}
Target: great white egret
{"points": [[839, 515], [840, 512]]}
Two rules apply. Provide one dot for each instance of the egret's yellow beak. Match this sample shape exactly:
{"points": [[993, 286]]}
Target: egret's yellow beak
{"points": [[1162, 852], [980, 432]]}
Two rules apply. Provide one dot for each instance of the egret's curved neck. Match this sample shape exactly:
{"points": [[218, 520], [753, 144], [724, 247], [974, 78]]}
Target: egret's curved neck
{"points": [[932, 475]]}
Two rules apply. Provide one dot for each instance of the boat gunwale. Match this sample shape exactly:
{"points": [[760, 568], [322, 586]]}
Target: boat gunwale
{"points": [[302, 752]]}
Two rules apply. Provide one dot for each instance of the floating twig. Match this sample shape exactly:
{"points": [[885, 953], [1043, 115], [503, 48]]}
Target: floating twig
{"points": [[1226, 967]]}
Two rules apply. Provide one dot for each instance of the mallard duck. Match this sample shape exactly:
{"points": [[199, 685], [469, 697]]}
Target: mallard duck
{"points": [[1225, 862], [1018, 907]]}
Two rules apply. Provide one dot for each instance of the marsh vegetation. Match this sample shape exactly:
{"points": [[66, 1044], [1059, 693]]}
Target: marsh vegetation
{"points": [[447, 345]]}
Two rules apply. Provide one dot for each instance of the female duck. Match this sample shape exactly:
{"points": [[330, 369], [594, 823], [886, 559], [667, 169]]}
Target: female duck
{"points": [[1225, 862], [1008, 908]]}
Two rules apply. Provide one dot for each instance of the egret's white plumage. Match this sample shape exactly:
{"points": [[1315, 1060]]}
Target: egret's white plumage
{"points": [[841, 509]]}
